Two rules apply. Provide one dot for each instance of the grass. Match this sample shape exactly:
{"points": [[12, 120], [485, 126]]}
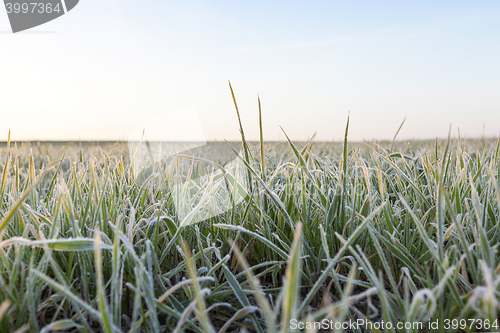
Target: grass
{"points": [[392, 231]]}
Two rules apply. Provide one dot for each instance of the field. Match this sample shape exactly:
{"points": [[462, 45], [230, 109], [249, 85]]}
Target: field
{"points": [[387, 232]]}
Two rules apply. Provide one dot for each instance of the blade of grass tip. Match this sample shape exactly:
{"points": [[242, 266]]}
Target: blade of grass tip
{"points": [[184, 317], [200, 310], [324, 242], [440, 214], [262, 161], [293, 281], [239, 314], [60, 325], [308, 146], [245, 145], [476, 202], [445, 155], [5, 169], [397, 132], [264, 240], [337, 257], [26, 192], [497, 149], [101, 297], [303, 163], [181, 284], [258, 293], [344, 174], [262, 154], [49, 191]]}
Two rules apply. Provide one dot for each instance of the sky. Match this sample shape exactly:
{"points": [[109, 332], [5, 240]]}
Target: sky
{"points": [[108, 66]]}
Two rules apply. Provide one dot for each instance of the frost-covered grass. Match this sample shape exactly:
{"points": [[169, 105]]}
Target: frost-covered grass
{"points": [[402, 233]]}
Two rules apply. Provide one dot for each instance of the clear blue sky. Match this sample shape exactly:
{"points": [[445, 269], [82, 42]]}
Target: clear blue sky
{"points": [[109, 65]]}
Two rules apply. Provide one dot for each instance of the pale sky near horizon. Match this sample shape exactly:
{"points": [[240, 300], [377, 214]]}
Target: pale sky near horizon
{"points": [[108, 66]]}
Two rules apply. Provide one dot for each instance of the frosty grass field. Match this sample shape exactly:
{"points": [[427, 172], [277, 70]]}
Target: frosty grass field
{"points": [[388, 231]]}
